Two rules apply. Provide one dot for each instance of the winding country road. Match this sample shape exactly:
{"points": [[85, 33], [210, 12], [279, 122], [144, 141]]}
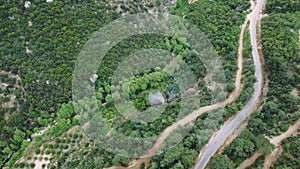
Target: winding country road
{"points": [[228, 127], [220, 137]]}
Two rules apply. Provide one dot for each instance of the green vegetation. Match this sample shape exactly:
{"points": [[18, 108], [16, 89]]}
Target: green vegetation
{"points": [[281, 108], [222, 162], [183, 154], [243, 147], [290, 158], [58, 32], [39, 48], [282, 60]]}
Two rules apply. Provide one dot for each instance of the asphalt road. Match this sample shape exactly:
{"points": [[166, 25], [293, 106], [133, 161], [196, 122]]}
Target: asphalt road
{"points": [[220, 137]]}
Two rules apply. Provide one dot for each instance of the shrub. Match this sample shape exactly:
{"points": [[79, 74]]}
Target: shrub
{"points": [[57, 140], [37, 151], [32, 165], [45, 145], [75, 136], [48, 152], [55, 145], [22, 165], [50, 146]]}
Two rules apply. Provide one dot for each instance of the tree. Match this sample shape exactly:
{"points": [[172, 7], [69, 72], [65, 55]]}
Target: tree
{"points": [[178, 166], [18, 137], [221, 161], [240, 149], [120, 160]]}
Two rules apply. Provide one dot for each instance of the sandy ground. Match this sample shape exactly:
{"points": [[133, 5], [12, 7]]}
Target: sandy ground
{"points": [[272, 158], [249, 161]]}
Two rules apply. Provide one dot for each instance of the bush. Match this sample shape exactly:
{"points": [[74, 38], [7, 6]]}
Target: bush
{"points": [[50, 146], [55, 146], [32, 165], [230, 87], [45, 145], [37, 151], [48, 152], [57, 140], [75, 136], [22, 165]]}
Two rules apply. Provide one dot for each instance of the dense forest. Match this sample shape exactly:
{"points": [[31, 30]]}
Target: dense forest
{"points": [[41, 41], [280, 106], [40, 44]]}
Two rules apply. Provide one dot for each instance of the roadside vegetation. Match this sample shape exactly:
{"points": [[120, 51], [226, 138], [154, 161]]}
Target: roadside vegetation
{"points": [[39, 47], [280, 108]]}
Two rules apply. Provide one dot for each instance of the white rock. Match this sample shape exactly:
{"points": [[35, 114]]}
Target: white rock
{"points": [[94, 78], [156, 98], [4, 85], [49, 0], [29, 23], [28, 50], [27, 4], [47, 82]]}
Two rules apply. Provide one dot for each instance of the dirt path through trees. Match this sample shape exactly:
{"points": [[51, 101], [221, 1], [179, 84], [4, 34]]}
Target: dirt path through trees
{"points": [[249, 161], [192, 116], [275, 154]]}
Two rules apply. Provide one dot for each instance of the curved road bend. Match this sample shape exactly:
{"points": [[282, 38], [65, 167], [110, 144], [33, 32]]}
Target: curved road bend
{"points": [[220, 137]]}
